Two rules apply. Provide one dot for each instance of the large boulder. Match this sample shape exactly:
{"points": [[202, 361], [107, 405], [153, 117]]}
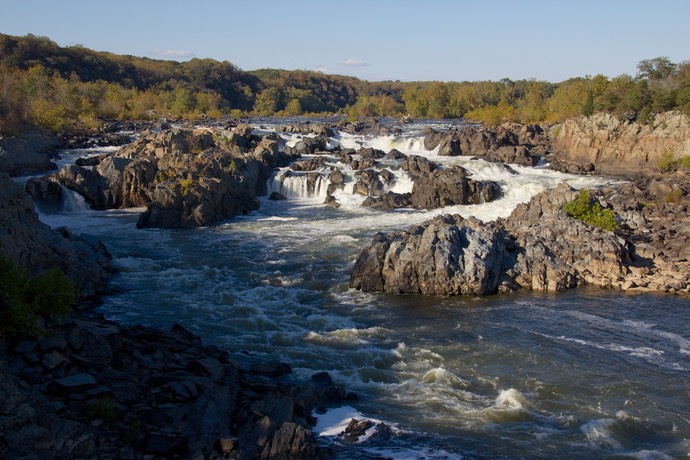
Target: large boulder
{"points": [[448, 255], [28, 153], [451, 186]]}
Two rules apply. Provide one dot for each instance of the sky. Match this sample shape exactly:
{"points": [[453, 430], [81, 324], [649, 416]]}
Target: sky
{"points": [[444, 40]]}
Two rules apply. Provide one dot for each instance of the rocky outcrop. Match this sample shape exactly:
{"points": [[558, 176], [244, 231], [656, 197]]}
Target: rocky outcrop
{"points": [[451, 186], [90, 388], [319, 129], [539, 247], [368, 127], [615, 146], [655, 215], [433, 188], [554, 252], [185, 178], [28, 242], [446, 256], [28, 153], [508, 143]]}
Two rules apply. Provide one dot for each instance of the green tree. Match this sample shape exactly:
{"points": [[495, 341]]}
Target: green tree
{"points": [[655, 69], [267, 102], [294, 107]]}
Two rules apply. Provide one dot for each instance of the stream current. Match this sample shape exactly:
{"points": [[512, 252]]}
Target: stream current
{"points": [[581, 374]]}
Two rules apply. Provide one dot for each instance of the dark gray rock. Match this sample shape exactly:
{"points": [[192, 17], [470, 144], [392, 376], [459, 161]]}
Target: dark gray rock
{"points": [[271, 369], [71, 384], [164, 444], [389, 200], [370, 184], [27, 242], [27, 153], [275, 196], [449, 187]]}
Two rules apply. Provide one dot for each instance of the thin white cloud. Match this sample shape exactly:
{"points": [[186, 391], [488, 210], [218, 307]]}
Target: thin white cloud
{"points": [[355, 62], [323, 70], [173, 54]]}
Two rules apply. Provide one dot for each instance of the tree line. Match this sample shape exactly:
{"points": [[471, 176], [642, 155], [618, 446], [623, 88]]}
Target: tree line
{"points": [[63, 88]]}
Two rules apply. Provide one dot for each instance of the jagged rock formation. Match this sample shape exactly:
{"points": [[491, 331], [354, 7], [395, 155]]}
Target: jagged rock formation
{"points": [[27, 242], [185, 178], [441, 257], [655, 214], [539, 247], [28, 152], [435, 189], [90, 388], [619, 147], [508, 143]]}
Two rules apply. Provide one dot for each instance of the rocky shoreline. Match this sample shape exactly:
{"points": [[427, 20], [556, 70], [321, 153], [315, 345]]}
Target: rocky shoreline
{"points": [[90, 388]]}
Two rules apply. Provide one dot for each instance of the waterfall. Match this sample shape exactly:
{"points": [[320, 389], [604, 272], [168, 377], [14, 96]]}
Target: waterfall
{"points": [[72, 202], [299, 185]]}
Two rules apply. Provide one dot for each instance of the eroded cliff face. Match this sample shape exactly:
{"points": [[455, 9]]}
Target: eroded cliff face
{"points": [[620, 147]]}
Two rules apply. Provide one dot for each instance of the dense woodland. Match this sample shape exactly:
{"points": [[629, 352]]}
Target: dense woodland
{"points": [[65, 88]]}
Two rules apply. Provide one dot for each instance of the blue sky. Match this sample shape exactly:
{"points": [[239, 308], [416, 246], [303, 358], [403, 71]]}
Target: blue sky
{"points": [[375, 40]]}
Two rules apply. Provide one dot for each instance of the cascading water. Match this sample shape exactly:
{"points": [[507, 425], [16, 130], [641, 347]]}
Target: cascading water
{"points": [[299, 185], [72, 203], [584, 374]]}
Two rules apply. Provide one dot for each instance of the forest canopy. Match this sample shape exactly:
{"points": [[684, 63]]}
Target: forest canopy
{"points": [[64, 88]]}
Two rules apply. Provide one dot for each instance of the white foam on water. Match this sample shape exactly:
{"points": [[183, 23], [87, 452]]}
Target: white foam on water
{"points": [[599, 433], [278, 219], [444, 377], [334, 421], [511, 399], [647, 455], [343, 338]]}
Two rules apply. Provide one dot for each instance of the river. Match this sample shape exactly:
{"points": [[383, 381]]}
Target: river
{"points": [[582, 374]]}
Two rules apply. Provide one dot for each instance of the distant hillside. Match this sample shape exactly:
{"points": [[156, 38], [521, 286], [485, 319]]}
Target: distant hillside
{"points": [[66, 88], [235, 86]]}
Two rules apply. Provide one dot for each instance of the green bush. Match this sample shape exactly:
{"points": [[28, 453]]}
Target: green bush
{"points": [[685, 162], [588, 210], [186, 186], [102, 409], [25, 298], [668, 162]]}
